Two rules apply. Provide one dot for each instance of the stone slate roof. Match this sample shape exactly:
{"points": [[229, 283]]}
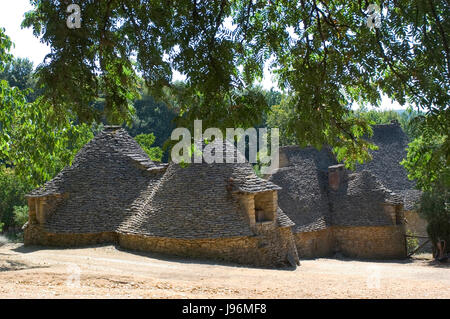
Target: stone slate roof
{"points": [[304, 196], [113, 141], [197, 202], [411, 198], [107, 178], [360, 202], [283, 220], [113, 186], [385, 165], [244, 180]]}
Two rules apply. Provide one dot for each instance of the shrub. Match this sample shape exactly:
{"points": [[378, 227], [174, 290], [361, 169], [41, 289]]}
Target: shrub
{"points": [[435, 208], [12, 192], [146, 141], [412, 242], [20, 215]]}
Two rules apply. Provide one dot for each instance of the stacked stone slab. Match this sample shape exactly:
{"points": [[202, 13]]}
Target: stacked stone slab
{"points": [[113, 193]]}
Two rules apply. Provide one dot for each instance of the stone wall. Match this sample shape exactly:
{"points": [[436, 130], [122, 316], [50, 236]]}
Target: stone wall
{"points": [[247, 202], [266, 204], [271, 248], [315, 244], [276, 249], [34, 235], [416, 225], [371, 242]]}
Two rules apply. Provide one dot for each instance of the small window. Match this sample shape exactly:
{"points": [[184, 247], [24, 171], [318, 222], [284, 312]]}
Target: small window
{"points": [[265, 207]]}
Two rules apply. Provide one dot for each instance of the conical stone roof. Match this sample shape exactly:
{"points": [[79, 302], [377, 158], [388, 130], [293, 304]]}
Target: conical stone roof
{"points": [[304, 182], [102, 186], [360, 201], [392, 145], [197, 201]]}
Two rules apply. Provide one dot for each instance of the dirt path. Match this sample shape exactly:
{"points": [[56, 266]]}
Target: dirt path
{"points": [[107, 272]]}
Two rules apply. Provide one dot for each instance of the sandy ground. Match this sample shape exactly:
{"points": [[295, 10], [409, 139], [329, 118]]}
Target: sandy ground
{"points": [[109, 272]]}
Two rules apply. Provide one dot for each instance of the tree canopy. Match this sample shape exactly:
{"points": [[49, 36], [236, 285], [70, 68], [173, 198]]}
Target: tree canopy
{"points": [[323, 53], [31, 139]]}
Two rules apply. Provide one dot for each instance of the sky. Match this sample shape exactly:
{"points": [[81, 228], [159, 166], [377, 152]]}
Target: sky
{"points": [[26, 45]]}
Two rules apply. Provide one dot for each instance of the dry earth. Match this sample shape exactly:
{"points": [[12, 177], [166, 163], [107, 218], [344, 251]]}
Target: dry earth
{"points": [[108, 272]]}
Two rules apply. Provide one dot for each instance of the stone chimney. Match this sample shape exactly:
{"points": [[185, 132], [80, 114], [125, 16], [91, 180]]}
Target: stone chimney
{"points": [[336, 175]]}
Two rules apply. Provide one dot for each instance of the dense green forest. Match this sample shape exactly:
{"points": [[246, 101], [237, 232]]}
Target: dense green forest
{"points": [[117, 68]]}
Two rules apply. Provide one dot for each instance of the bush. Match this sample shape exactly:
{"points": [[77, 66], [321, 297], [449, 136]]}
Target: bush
{"points": [[20, 215], [411, 242], [12, 193], [146, 141], [435, 208]]}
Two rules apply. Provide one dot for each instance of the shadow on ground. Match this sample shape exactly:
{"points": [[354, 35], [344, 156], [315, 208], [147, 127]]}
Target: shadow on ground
{"points": [[159, 256], [14, 265]]}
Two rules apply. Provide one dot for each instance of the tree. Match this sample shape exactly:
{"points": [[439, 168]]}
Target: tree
{"points": [[427, 163], [12, 191], [324, 54], [279, 116], [34, 139], [435, 208], [146, 141], [152, 117], [18, 73]]}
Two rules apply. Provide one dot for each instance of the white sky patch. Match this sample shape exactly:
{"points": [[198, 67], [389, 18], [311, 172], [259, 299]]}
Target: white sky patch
{"points": [[26, 44]]}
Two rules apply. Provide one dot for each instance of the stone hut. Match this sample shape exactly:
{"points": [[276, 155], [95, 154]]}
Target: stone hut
{"points": [[113, 193], [353, 213], [392, 145]]}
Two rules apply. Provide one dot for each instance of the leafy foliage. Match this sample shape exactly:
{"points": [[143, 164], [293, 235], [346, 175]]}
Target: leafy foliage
{"points": [[435, 208], [12, 191], [153, 117], [34, 139], [411, 242], [427, 163], [20, 215], [146, 141], [278, 116], [18, 73], [323, 53]]}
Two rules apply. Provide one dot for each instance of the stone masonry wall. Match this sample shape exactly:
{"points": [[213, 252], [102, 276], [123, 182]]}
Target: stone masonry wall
{"points": [[34, 235], [417, 226], [315, 244], [266, 204], [273, 248], [371, 242], [269, 251]]}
